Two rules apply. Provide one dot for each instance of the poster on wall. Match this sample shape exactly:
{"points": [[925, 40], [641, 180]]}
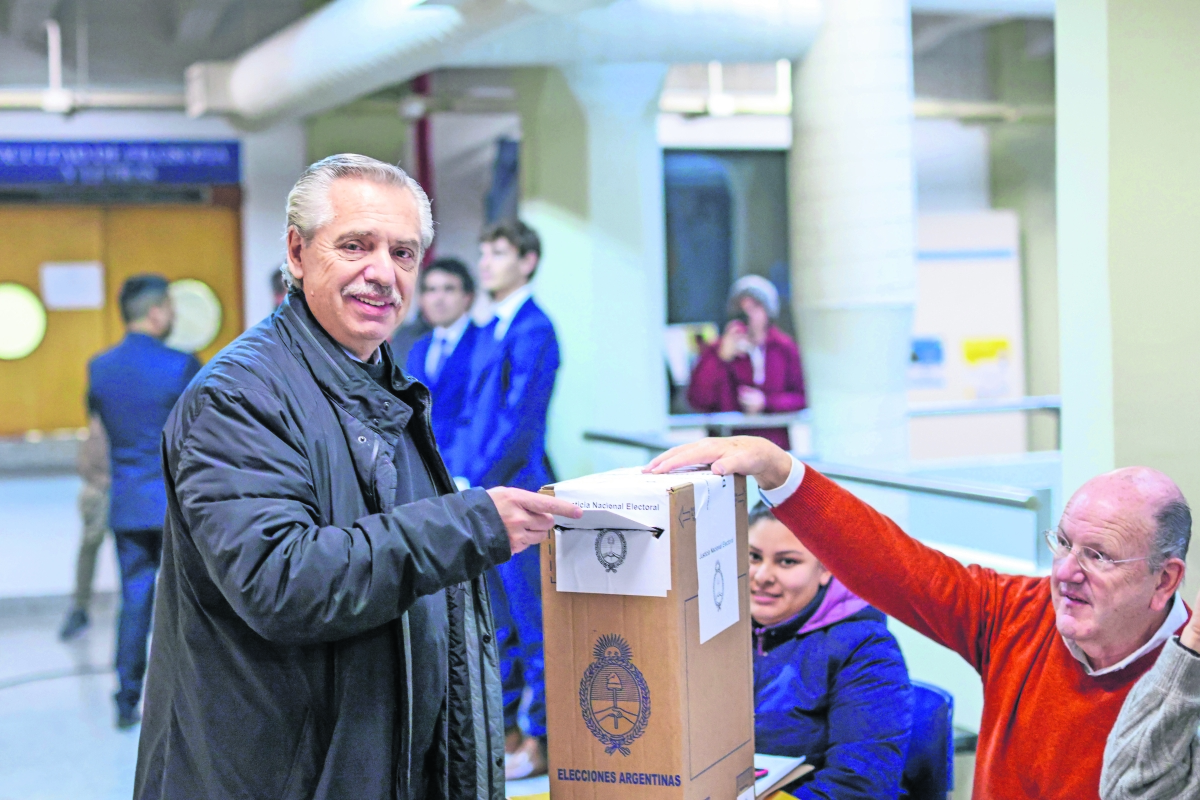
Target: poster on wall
{"points": [[968, 333]]}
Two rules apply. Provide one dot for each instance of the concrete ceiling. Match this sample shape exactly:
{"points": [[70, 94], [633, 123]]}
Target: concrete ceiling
{"points": [[134, 43]]}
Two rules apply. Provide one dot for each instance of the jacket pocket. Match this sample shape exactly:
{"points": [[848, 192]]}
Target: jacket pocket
{"points": [[302, 774]]}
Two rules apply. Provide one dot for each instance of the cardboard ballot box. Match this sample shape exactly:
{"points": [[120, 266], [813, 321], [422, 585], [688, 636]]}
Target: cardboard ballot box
{"points": [[649, 672]]}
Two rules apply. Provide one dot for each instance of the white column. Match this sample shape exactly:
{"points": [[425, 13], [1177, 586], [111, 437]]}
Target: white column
{"points": [[593, 188], [1085, 306], [272, 161], [853, 228]]}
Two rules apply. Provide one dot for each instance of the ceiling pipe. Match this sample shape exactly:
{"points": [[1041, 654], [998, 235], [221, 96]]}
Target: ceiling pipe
{"points": [[56, 99], [111, 100], [1027, 9]]}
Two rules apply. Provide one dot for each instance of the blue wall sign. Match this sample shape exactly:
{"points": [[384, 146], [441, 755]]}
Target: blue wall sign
{"points": [[109, 163]]}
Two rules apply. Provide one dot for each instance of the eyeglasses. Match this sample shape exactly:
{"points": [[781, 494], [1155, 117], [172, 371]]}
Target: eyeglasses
{"points": [[1089, 560]]}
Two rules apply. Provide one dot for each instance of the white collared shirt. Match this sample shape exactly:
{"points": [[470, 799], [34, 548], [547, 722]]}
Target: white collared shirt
{"points": [[1174, 621], [507, 308], [445, 339], [774, 497], [758, 365]]}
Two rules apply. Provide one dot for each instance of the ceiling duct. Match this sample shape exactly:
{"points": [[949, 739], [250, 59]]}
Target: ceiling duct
{"points": [[348, 49], [351, 48]]}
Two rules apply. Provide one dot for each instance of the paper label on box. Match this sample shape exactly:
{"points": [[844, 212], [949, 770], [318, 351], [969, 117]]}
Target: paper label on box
{"points": [[612, 562], [622, 545], [716, 555]]}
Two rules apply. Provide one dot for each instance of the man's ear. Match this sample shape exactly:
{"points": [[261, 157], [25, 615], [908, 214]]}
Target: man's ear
{"points": [[1170, 577], [528, 264], [295, 243]]}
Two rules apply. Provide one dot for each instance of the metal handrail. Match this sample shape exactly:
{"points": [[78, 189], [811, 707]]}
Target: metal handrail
{"points": [[1038, 500], [1014, 496], [647, 441], [737, 420], [1046, 402]]}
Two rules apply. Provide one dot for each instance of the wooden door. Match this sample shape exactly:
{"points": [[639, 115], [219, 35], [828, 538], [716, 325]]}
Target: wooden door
{"points": [[45, 390], [199, 242]]}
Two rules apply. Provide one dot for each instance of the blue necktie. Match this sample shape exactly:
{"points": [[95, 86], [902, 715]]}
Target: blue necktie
{"points": [[439, 358]]}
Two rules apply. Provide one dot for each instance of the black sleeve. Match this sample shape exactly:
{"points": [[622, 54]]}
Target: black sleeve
{"points": [[245, 490]]}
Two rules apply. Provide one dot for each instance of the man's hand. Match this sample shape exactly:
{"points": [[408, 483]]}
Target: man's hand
{"points": [[1190, 638], [744, 455], [529, 517]]}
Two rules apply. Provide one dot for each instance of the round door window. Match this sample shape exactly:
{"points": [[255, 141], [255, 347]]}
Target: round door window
{"points": [[22, 321], [197, 315]]}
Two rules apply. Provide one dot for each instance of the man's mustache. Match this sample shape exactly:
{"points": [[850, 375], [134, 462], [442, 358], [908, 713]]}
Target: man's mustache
{"points": [[371, 290]]}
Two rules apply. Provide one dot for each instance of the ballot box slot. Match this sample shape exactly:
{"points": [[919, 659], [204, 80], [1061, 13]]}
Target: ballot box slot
{"points": [[655, 532]]}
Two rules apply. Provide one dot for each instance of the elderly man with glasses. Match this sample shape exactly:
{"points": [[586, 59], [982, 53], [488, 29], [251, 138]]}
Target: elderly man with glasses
{"points": [[1057, 654]]}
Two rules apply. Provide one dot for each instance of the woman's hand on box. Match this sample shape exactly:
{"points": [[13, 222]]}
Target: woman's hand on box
{"points": [[529, 517], [742, 455]]}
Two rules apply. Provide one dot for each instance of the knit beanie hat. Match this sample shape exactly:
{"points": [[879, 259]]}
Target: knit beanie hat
{"points": [[757, 287]]}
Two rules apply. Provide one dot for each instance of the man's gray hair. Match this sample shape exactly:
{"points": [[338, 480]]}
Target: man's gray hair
{"points": [[308, 201], [1172, 534]]}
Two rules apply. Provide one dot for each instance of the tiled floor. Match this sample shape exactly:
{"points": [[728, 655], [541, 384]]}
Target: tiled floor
{"points": [[57, 739]]}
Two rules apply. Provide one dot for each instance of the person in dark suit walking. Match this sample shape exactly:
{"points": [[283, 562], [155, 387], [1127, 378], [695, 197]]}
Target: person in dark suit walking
{"points": [[501, 440], [132, 389], [441, 359]]}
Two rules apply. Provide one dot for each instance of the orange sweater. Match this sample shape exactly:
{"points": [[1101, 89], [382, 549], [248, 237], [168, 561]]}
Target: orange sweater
{"points": [[1045, 720]]}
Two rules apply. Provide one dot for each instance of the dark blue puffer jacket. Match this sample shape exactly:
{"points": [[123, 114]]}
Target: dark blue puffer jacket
{"points": [[831, 684]]}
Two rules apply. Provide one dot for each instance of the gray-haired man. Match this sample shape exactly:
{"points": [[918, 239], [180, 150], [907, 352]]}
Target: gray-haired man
{"points": [[322, 629]]}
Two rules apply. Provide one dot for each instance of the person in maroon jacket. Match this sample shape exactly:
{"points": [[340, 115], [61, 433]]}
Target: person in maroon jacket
{"points": [[754, 367]]}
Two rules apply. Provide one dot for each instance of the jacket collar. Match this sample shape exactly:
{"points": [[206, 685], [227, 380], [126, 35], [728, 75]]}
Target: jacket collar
{"points": [[345, 382], [833, 603], [775, 337]]}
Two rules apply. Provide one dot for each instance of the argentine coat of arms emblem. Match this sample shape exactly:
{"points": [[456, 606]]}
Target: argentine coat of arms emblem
{"points": [[611, 549], [613, 695]]}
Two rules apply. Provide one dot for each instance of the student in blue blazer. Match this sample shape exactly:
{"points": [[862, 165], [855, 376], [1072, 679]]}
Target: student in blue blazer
{"points": [[441, 359], [501, 440]]}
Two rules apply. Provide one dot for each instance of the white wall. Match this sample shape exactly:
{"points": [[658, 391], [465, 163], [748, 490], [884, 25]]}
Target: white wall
{"points": [[271, 162], [952, 164], [464, 151]]}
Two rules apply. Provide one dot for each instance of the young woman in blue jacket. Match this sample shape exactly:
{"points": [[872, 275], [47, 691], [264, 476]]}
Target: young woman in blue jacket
{"points": [[829, 680]]}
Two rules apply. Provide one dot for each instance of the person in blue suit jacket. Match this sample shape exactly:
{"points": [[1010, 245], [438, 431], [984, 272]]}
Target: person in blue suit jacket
{"points": [[441, 359], [830, 683], [132, 388], [501, 440]]}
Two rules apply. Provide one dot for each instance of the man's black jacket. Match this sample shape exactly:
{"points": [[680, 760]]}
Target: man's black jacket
{"points": [[282, 657]]}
